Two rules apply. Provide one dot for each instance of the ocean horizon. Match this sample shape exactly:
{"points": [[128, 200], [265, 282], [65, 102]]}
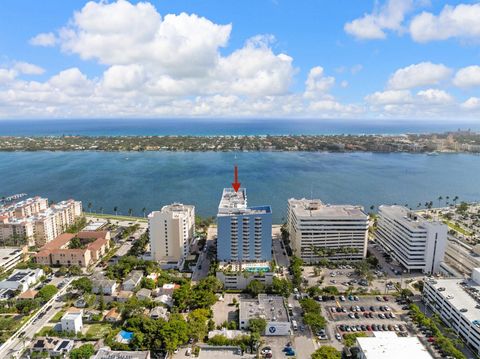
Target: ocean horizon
{"points": [[220, 127]]}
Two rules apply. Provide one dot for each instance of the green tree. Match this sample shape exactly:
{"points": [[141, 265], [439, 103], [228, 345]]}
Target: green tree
{"points": [[26, 306], [255, 287], [47, 292], [85, 351], [83, 284], [75, 270], [281, 286], [257, 325], [197, 323], [327, 352], [148, 283]]}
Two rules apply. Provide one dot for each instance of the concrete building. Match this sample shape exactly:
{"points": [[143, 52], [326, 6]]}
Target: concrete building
{"points": [[33, 221], [239, 275], [72, 322], [270, 308], [21, 279], [389, 345], [10, 257], [457, 302], [58, 253], [416, 243], [244, 233], [171, 232], [323, 231], [55, 347]]}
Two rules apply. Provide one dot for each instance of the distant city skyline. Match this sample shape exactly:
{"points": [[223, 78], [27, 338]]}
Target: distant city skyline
{"points": [[388, 59]]}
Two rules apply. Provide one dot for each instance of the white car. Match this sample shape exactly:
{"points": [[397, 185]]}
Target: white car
{"points": [[338, 336]]}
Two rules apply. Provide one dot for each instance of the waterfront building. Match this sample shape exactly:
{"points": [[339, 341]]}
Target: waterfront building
{"points": [[416, 243], [72, 322], [268, 307], [244, 233], [390, 345], [34, 222], [171, 232], [457, 302], [323, 231]]}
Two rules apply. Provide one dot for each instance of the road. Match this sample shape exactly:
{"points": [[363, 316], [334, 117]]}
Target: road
{"points": [[203, 262], [304, 341], [14, 346]]}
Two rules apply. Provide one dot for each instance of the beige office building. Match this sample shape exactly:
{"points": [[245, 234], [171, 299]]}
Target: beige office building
{"points": [[171, 232]]}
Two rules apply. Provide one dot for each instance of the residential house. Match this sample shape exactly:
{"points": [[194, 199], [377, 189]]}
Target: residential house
{"points": [[133, 280], [53, 346], [144, 293], [21, 279], [113, 315], [124, 295], [72, 322], [107, 286], [159, 312]]}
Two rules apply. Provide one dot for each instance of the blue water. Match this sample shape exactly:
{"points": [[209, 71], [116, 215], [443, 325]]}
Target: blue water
{"points": [[206, 127], [152, 179]]}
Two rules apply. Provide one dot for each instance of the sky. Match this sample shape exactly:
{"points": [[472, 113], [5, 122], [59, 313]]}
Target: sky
{"points": [[385, 59]]}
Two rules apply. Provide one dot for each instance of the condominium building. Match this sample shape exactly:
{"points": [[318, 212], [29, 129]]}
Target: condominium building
{"points": [[323, 231], [457, 302], [33, 221], [415, 242], [171, 232], [72, 322], [244, 233]]}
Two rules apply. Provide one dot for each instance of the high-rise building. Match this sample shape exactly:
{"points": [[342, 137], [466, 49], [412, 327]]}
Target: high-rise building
{"points": [[244, 233], [415, 242], [323, 231], [171, 232]]}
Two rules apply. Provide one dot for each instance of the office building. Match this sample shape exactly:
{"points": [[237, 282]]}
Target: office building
{"points": [[171, 232], [72, 322], [457, 302], [244, 233], [389, 345], [413, 241], [323, 231], [268, 307]]}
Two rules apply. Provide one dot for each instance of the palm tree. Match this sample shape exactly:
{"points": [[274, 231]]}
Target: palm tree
{"points": [[100, 210], [455, 199], [446, 200], [439, 199], [89, 205], [130, 212], [115, 209], [144, 210]]}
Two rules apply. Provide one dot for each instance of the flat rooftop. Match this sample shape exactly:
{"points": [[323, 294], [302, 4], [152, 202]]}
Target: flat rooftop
{"points": [[315, 208], [233, 203], [389, 345], [104, 353], [407, 217], [94, 226], [6, 254], [268, 307], [457, 295], [210, 352]]}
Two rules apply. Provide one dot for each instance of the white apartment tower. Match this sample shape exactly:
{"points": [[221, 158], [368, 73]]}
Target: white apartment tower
{"points": [[416, 243], [322, 231], [171, 232]]}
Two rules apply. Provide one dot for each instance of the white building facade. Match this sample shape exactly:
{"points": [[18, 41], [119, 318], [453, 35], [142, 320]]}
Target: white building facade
{"points": [[72, 322], [457, 302], [171, 232], [333, 232], [416, 243]]}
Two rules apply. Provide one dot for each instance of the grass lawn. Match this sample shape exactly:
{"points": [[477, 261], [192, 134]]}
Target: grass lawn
{"points": [[44, 331], [458, 229], [116, 218], [56, 318], [99, 330]]}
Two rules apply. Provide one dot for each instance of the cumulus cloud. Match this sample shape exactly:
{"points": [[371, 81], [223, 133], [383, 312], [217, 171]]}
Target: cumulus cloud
{"points": [[44, 39], [461, 21], [434, 96], [389, 16], [28, 69], [422, 74], [473, 103], [317, 85], [467, 77], [389, 97]]}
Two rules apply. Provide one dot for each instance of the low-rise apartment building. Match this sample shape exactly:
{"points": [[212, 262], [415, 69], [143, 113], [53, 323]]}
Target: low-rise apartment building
{"points": [[72, 322], [58, 253], [22, 279], [457, 302], [418, 244], [323, 231], [10, 257]]}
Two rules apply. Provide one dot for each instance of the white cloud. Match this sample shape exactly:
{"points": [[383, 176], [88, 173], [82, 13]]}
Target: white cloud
{"points": [[7, 75], [473, 103], [422, 74], [44, 39], [461, 21], [317, 85], [124, 77], [390, 97], [28, 69], [435, 96], [467, 77], [389, 16]]}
